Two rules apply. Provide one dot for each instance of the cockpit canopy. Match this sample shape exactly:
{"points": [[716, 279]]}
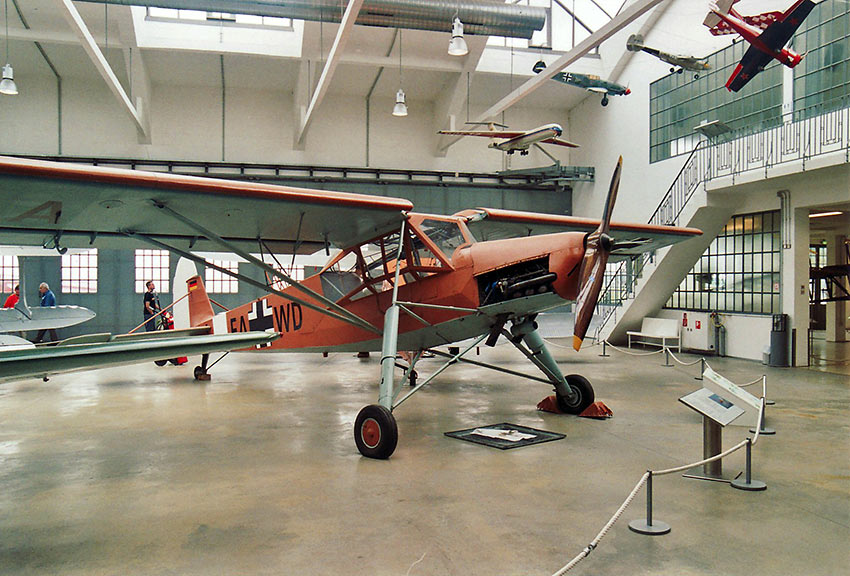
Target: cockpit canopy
{"points": [[427, 246]]}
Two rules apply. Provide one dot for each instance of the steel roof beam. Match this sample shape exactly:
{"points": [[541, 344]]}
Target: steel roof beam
{"points": [[100, 63], [342, 36]]}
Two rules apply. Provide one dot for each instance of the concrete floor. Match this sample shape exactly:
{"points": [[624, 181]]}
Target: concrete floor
{"points": [[142, 470]]}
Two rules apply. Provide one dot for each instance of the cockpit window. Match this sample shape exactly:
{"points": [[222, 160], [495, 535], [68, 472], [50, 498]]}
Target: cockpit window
{"points": [[446, 235]]}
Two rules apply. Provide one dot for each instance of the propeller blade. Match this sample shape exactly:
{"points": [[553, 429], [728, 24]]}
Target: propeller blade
{"points": [[598, 246]]}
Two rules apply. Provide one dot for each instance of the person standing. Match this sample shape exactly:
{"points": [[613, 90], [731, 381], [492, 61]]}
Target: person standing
{"points": [[151, 303], [47, 299], [13, 297]]}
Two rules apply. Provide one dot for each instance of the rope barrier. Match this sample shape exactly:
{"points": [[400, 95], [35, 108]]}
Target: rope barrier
{"points": [[625, 351], [595, 542], [697, 361], [647, 475]]}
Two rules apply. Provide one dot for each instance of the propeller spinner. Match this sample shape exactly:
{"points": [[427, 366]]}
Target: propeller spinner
{"points": [[598, 246]]}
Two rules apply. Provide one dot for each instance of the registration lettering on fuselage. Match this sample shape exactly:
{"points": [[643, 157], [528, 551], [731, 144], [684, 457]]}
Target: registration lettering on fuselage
{"points": [[285, 317]]}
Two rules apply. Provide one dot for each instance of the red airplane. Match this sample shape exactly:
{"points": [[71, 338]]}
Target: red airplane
{"points": [[767, 34], [403, 281]]}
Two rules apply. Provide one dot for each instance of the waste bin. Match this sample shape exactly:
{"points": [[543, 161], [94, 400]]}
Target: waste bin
{"points": [[779, 341]]}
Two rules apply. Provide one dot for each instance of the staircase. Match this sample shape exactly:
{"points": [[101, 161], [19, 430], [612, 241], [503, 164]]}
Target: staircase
{"points": [[640, 287]]}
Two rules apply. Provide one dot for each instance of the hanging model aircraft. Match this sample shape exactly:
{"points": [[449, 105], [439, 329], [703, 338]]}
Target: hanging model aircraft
{"points": [[680, 62], [767, 34], [587, 81], [517, 140], [403, 281]]}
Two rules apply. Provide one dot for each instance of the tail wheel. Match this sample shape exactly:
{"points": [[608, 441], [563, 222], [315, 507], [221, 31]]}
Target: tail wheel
{"points": [[584, 396], [376, 432]]}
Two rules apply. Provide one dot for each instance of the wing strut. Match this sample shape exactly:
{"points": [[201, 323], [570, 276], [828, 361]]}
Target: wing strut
{"points": [[359, 322], [213, 237]]}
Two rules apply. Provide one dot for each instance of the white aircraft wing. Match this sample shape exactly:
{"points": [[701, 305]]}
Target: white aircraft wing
{"points": [[42, 317], [559, 142], [483, 133]]}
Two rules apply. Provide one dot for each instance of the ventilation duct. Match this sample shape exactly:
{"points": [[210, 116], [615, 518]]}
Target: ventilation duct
{"points": [[478, 17]]}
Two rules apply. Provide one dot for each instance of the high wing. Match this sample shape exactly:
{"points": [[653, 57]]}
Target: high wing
{"points": [[102, 350], [483, 133], [51, 203], [629, 239], [752, 63]]}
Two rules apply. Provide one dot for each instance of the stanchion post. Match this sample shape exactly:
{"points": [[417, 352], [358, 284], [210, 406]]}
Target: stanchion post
{"points": [[762, 429], [701, 369], [604, 353], [667, 357], [749, 484], [647, 526]]}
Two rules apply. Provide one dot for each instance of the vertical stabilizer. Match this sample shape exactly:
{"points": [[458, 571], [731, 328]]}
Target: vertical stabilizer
{"points": [[185, 270], [200, 308]]}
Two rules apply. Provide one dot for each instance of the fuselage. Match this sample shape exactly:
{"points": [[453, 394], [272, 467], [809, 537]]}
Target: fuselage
{"points": [[753, 35], [514, 277], [522, 142]]}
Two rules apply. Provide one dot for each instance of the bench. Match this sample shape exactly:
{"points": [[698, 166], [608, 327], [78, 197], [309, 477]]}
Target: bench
{"points": [[654, 329]]}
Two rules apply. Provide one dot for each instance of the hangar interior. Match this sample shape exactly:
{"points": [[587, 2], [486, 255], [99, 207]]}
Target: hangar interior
{"points": [[141, 470]]}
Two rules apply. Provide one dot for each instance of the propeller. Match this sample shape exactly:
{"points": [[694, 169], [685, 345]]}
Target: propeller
{"points": [[598, 246]]}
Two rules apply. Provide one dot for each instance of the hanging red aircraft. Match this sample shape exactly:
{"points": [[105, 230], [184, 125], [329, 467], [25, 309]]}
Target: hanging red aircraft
{"points": [[403, 281], [767, 34]]}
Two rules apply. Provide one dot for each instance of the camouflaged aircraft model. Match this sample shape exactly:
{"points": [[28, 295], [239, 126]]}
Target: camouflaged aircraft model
{"points": [[402, 281]]}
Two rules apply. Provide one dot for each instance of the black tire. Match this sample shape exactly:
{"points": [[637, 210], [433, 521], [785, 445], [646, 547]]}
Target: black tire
{"points": [[376, 432], [605, 100], [413, 376], [160, 362], [198, 372], [580, 385]]}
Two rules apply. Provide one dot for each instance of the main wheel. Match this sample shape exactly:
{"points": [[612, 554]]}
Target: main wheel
{"points": [[376, 432], [605, 100], [584, 395], [160, 362], [198, 372]]}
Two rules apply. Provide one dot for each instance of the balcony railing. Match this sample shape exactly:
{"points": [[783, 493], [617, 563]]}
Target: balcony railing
{"points": [[808, 133]]}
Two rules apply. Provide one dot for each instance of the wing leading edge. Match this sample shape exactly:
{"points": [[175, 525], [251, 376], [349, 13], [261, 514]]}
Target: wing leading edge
{"points": [[94, 206], [633, 239], [43, 361]]}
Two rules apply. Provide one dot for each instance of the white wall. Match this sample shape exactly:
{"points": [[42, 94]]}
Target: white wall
{"points": [[186, 124]]}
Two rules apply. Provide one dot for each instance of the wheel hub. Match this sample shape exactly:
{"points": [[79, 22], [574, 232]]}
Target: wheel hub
{"points": [[370, 432]]}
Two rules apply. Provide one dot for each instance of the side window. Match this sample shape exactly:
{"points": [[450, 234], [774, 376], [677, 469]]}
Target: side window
{"points": [[446, 235]]}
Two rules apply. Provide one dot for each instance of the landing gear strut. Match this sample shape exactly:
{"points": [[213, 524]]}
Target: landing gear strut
{"points": [[201, 371], [574, 392]]}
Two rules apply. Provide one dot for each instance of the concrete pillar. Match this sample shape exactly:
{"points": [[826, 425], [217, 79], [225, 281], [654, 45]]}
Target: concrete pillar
{"points": [[795, 283], [836, 312]]}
